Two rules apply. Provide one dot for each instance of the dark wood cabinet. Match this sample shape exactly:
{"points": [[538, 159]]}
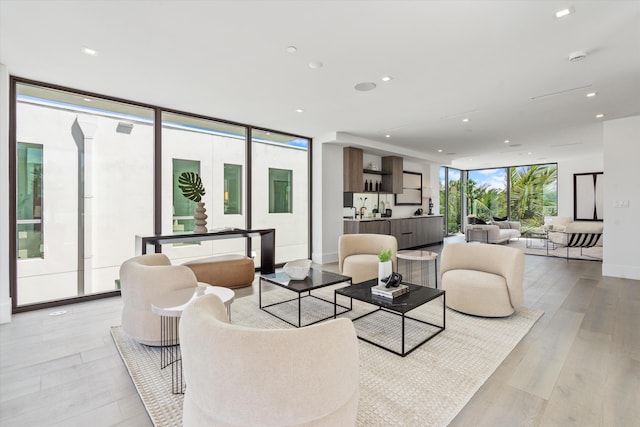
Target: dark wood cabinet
{"points": [[392, 182], [405, 232], [366, 227], [352, 169]]}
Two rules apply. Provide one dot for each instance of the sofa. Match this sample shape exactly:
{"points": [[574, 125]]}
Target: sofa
{"points": [[358, 255], [482, 279], [493, 232], [242, 376]]}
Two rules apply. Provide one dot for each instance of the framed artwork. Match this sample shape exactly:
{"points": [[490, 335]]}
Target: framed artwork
{"points": [[588, 196]]}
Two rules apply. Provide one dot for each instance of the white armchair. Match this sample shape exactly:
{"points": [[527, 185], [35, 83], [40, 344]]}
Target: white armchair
{"points": [[240, 376], [358, 255], [143, 278], [578, 234]]}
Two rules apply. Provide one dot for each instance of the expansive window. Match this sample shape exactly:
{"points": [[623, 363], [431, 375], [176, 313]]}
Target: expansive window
{"points": [[533, 193], [486, 193], [88, 179], [280, 191], [451, 199], [29, 201], [84, 175]]}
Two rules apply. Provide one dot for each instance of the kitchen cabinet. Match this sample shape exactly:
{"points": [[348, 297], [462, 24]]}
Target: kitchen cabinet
{"points": [[352, 170], [392, 183], [378, 226]]}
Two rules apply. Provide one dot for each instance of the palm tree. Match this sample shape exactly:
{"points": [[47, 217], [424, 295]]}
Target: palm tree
{"points": [[530, 195]]}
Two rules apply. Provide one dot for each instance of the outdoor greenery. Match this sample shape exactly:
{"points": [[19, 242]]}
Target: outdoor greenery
{"points": [[532, 196]]}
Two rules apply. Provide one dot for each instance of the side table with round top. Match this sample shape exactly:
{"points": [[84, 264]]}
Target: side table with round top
{"points": [[422, 256], [169, 307]]}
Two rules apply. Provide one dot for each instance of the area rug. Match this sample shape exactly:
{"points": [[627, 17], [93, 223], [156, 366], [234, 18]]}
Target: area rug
{"points": [[536, 246], [426, 388]]}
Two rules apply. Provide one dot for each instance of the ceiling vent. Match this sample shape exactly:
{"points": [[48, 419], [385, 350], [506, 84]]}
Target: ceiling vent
{"points": [[578, 55]]}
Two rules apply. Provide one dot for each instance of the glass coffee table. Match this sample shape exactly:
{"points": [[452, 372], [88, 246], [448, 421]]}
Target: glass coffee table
{"points": [[399, 306], [316, 279]]}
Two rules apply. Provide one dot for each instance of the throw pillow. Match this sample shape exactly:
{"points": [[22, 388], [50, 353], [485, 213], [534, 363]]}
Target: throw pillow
{"points": [[502, 224], [495, 218]]}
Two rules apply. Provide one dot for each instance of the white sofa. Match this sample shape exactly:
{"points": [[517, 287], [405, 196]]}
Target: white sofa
{"points": [[358, 255], [482, 279], [240, 376], [496, 232]]}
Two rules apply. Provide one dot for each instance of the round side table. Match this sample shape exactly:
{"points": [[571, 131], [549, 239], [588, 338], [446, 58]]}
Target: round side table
{"points": [[409, 256], [169, 307]]}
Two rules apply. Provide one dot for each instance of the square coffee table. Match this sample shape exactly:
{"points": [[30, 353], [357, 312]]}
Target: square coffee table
{"points": [[316, 279], [417, 296]]}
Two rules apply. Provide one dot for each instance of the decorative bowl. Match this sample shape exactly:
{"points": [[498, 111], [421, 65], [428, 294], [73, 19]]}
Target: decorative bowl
{"points": [[298, 269]]}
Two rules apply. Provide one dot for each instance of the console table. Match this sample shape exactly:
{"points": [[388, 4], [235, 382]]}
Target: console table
{"points": [[267, 242]]}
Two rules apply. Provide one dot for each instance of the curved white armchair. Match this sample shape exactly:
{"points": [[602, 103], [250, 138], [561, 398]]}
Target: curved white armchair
{"points": [[358, 254], [143, 278], [239, 376], [482, 279]]}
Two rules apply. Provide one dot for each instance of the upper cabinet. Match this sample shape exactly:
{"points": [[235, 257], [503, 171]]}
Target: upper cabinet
{"points": [[392, 183], [353, 176], [354, 179]]}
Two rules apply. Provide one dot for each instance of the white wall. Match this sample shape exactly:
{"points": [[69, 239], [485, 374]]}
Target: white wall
{"points": [[621, 231], [5, 299]]}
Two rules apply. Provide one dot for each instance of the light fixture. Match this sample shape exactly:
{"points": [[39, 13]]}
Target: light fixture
{"points": [[440, 150], [315, 65], [386, 78], [291, 49], [299, 110], [599, 116], [387, 136], [578, 55], [89, 51], [465, 120], [506, 141], [591, 94], [365, 86], [529, 153], [565, 12], [86, 99]]}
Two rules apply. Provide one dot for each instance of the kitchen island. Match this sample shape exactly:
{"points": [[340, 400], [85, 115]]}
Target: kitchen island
{"points": [[411, 231]]}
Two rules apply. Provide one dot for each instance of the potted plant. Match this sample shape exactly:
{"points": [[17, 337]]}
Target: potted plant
{"points": [[385, 266], [191, 185]]}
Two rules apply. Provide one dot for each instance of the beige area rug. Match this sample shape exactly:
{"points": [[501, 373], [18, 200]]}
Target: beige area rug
{"points": [[426, 388], [538, 247]]}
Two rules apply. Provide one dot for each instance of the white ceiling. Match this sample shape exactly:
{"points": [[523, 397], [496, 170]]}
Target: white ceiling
{"points": [[501, 64]]}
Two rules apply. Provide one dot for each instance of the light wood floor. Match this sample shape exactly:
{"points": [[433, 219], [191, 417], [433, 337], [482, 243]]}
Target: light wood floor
{"points": [[579, 365]]}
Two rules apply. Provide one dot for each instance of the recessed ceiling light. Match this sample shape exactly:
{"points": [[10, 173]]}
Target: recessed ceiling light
{"points": [[299, 110], [365, 86], [315, 64], [86, 99], [591, 94], [291, 49], [386, 78], [599, 116], [89, 51], [387, 136], [578, 55], [529, 153], [440, 151], [565, 12], [506, 141], [465, 120]]}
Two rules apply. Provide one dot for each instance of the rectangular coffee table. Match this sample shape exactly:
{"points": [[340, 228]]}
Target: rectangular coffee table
{"points": [[417, 296], [316, 279]]}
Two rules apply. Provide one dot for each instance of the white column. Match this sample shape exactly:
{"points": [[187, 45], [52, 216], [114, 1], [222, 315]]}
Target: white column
{"points": [[88, 125], [5, 298]]}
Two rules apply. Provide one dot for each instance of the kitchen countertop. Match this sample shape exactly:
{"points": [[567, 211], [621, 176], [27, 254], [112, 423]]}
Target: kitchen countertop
{"points": [[390, 218]]}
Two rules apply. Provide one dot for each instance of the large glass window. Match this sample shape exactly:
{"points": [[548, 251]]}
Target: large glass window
{"points": [[280, 192], [451, 199], [183, 208], [84, 190], [534, 193], [486, 193], [29, 201]]}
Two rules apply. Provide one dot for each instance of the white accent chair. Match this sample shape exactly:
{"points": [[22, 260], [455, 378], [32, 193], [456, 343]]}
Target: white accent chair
{"points": [[482, 279], [240, 376], [143, 278], [578, 234], [358, 255]]}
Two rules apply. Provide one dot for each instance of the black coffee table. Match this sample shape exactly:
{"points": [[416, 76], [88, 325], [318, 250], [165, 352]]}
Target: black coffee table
{"points": [[417, 296], [316, 279]]}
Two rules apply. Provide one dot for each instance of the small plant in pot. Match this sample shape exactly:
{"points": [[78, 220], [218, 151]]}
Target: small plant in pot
{"points": [[191, 185], [385, 266]]}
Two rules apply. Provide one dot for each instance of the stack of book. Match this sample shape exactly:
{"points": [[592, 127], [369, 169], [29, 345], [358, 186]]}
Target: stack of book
{"points": [[383, 291]]}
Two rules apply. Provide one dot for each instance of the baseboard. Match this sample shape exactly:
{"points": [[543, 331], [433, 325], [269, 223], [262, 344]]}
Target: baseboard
{"points": [[622, 271]]}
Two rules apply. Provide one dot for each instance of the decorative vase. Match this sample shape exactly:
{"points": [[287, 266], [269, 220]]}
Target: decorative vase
{"points": [[201, 218], [384, 270]]}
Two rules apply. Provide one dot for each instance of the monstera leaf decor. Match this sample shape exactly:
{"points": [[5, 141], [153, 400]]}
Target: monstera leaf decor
{"points": [[191, 186]]}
